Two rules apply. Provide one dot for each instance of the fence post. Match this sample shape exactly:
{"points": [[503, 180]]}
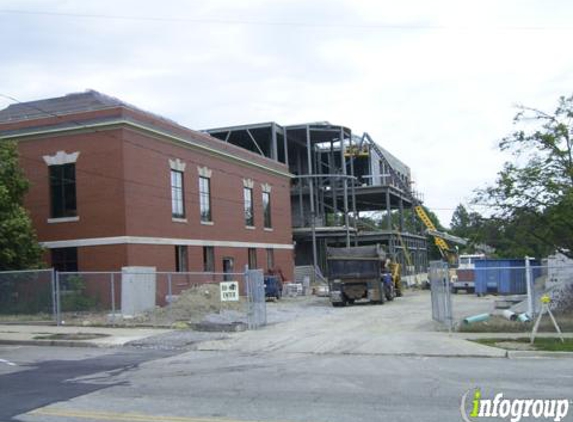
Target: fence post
{"points": [[113, 299], [448, 299], [58, 300], [530, 290], [170, 296], [249, 302], [53, 284], [263, 298]]}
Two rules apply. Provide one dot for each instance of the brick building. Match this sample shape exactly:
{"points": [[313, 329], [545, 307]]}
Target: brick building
{"points": [[113, 186]]}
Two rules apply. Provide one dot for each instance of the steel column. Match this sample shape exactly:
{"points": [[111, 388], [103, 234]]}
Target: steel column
{"points": [[285, 142], [353, 194], [344, 186], [274, 145], [311, 195], [388, 210]]}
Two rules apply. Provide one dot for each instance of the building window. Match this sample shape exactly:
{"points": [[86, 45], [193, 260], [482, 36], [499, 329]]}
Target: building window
{"points": [[270, 259], [209, 259], [249, 211], [63, 190], [252, 258], [65, 259], [181, 261], [205, 198], [267, 210], [177, 194]]}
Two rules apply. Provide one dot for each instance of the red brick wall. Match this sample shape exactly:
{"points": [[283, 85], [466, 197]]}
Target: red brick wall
{"points": [[148, 195], [123, 189], [99, 181], [163, 258]]}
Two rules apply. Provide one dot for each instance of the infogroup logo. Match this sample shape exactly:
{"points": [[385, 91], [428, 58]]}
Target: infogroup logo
{"points": [[474, 406]]}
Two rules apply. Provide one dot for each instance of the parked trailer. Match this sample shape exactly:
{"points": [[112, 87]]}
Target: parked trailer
{"points": [[359, 273]]}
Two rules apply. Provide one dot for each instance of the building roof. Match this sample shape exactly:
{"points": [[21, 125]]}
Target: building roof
{"points": [[91, 110], [76, 102]]}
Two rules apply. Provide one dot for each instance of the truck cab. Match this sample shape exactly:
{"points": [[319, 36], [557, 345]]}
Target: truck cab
{"points": [[464, 276]]}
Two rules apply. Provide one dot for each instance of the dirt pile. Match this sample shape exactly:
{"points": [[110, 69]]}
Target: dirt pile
{"points": [[195, 305]]}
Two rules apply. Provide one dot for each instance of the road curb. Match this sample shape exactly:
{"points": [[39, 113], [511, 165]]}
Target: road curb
{"points": [[524, 354], [364, 354], [61, 343]]}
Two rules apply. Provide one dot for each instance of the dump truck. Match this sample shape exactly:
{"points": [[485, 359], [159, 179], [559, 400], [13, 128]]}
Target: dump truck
{"points": [[358, 273]]}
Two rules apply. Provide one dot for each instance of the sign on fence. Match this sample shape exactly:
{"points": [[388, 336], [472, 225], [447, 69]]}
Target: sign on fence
{"points": [[229, 291]]}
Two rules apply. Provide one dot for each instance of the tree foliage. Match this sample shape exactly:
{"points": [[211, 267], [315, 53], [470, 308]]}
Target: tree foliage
{"points": [[533, 193], [467, 225], [19, 247]]}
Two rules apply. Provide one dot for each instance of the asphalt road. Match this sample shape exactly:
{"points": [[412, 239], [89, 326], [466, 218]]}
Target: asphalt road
{"points": [[57, 384], [33, 377]]}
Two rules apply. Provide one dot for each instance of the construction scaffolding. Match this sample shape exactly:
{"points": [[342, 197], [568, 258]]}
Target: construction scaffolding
{"points": [[340, 181]]}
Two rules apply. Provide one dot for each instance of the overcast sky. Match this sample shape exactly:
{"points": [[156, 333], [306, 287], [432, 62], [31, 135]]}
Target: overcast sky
{"points": [[434, 82]]}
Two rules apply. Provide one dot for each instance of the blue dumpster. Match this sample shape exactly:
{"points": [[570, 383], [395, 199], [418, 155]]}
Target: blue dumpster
{"points": [[503, 276]]}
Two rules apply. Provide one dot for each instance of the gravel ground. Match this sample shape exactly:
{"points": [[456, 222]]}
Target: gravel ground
{"points": [[411, 313], [289, 308], [281, 311], [176, 340]]}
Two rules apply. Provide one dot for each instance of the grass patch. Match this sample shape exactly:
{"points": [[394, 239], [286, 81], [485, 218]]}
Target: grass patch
{"points": [[546, 344], [498, 324], [21, 318]]}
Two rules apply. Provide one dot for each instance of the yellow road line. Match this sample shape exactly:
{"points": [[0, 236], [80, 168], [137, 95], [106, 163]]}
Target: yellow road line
{"points": [[125, 417]]}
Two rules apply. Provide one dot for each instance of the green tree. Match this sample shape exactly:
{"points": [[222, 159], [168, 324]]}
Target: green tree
{"points": [[535, 189], [472, 227], [19, 248], [463, 223]]}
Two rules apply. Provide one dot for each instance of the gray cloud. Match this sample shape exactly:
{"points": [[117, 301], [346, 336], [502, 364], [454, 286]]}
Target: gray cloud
{"points": [[434, 82]]}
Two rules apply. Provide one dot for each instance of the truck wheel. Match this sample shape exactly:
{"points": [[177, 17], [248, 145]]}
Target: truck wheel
{"points": [[391, 294]]}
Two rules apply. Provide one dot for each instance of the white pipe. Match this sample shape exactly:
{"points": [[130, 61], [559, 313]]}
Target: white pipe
{"points": [[508, 314]]}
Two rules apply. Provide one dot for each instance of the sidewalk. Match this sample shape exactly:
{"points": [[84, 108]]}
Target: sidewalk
{"points": [[42, 335]]}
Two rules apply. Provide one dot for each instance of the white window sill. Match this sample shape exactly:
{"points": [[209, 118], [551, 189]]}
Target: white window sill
{"points": [[63, 220], [250, 227], [179, 220], [269, 229], [207, 223]]}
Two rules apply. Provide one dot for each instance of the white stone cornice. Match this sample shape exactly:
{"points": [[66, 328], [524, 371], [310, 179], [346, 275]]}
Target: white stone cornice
{"points": [[60, 158], [177, 165], [204, 171]]}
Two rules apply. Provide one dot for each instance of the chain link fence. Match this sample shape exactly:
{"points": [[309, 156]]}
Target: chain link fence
{"points": [[28, 296], [136, 296], [512, 289], [439, 276]]}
